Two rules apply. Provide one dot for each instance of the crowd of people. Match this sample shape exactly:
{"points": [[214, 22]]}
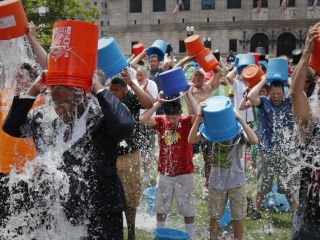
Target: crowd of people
{"points": [[111, 134]]}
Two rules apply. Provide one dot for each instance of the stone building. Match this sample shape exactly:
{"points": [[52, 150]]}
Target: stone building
{"points": [[238, 25]]}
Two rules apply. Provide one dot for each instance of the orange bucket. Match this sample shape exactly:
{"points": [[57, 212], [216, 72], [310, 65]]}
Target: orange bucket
{"points": [[14, 152], [13, 20], [194, 45], [73, 54], [252, 75], [207, 60], [137, 49], [315, 55]]}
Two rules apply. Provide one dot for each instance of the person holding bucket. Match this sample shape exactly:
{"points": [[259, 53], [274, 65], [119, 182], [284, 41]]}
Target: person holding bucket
{"points": [[275, 124], [306, 221], [175, 167], [227, 176], [129, 159]]}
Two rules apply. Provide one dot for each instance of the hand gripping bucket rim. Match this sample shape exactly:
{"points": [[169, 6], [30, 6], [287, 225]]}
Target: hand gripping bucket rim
{"points": [[171, 234], [13, 20]]}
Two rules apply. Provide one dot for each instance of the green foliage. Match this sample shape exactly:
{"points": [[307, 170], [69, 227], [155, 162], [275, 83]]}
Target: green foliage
{"points": [[54, 10]]}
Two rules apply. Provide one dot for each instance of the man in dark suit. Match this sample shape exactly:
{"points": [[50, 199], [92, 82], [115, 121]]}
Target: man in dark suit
{"points": [[90, 152]]}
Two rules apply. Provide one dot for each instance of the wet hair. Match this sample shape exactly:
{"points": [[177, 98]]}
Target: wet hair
{"points": [[119, 81], [277, 84], [154, 55], [172, 108], [31, 70]]}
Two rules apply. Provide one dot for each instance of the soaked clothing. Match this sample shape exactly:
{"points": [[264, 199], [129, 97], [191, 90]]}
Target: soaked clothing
{"points": [[131, 143], [306, 222], [90, 162], [227, 169], [275, 122], [175, 154]]}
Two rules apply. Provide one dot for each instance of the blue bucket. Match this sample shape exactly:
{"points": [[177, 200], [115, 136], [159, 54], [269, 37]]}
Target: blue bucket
{"points": [[110, 58], [264, 63], [226, 217], [220, 123], [150, 195], [277, 70], [170, 234], [173, 81], [158, 47], [276, 201], [243, 60]]}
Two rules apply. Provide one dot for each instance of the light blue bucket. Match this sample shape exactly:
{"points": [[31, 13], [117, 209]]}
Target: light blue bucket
{"points": [[150, 196], [226, 217], [158, 47], [110, 58], [276, 201], [277, 70], [220, 123], [170, 234], [243, 60], [173, 81]]}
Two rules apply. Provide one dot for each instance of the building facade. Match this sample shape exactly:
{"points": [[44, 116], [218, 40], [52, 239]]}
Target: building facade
{"points": [[238, 25]]}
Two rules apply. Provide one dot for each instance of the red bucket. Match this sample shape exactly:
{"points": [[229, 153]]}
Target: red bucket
{"points": [[13, 20], [73, 54], [194, 45], [207, 60], [252, 75], [315, 55], [256, 57], [137, 49]]}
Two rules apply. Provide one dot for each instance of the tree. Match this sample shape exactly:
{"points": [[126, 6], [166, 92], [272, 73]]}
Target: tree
{"points": [[44, 13]]}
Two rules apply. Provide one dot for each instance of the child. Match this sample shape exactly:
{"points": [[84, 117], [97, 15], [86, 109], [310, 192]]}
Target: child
{"points": [[227, 176], [175, 167]]}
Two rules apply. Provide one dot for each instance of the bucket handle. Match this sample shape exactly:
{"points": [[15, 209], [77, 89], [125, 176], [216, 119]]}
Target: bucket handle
{"points": [[74, 53], [173, 99]]}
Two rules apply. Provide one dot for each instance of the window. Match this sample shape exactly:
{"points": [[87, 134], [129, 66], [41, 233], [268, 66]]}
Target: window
{"points": [[105, 5], [208, 4], [233, 45], [101, 23], [95, 3], [135, 6], [182, 46], [132, 44], [264, 3], [185, 6], [291, 3], [159, 5], [234, 4], [311, 2]]}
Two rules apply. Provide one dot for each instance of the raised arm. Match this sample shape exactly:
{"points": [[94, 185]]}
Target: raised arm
{"points": [[118, 119], [214, 81], [144, 98], [300, 104], [146, 118], [252, 137], [40, 53], [231, 76], [194, 135], [253, 95]]}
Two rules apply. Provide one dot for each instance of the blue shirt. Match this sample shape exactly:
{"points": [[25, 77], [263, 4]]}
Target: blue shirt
{"points": [[275, 123]]}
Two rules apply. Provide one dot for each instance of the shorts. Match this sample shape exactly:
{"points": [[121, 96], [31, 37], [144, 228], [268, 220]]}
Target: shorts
{"points": [[148, 139], [181, 188], [218, 200], [272, 167], [128, 168]]}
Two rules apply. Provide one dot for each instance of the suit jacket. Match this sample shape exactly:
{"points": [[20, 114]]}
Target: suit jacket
{"points": [[92, 157]]}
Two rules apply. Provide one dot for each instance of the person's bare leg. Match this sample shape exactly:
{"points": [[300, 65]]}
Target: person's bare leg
{"points": [[291, 201], [131, 220], [237, 229], [214, 229], [189, 225], [259, 200]]}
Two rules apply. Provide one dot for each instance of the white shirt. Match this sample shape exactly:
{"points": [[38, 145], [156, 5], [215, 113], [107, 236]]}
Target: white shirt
{"points": [[239, 87], [151, 88]]}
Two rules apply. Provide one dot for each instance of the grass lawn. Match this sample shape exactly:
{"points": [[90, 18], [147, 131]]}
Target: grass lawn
{"points": [[272, 225]]}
